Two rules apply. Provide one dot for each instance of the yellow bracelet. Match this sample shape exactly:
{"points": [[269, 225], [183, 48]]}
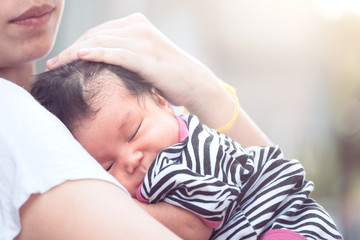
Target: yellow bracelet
{"points": [[232, 91]]}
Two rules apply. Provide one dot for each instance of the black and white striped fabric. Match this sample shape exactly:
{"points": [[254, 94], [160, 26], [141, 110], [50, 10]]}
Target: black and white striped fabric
{"points": [[241, 193]]}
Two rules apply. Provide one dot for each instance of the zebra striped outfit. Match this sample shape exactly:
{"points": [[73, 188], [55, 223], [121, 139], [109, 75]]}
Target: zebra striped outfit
{"points": [[241, 193]]}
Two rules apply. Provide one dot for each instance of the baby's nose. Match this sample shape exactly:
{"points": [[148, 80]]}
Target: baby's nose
{"points": [[132, 161]]}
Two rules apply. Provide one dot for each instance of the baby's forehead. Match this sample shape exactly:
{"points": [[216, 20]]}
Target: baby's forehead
{"points": [[106, 76], [109, 81], [104, 88]]}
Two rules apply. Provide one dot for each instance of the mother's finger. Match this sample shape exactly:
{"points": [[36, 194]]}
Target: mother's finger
{"points": [[121, 22], [112, 25], [97, 41], [116, 56], [133, 37]]}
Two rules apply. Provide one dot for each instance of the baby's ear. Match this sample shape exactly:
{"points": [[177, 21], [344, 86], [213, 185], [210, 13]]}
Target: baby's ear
{"points": [[162, 101]]}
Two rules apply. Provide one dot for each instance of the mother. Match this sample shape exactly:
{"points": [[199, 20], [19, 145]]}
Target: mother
{"points": [[50, 187]]}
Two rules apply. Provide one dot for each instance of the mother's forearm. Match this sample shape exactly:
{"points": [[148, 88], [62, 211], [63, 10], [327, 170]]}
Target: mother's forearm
{"points": [[182, 222], [215, 106]]}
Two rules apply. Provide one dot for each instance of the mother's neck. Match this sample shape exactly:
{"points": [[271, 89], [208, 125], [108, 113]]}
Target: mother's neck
{"points": [[21, 75]]}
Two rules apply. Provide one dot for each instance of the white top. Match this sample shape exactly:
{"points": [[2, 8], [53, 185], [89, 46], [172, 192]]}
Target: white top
{"points": [[37, 152]]}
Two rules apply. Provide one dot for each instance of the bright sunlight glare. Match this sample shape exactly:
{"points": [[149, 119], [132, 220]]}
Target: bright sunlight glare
{"points": [[335, 9]]}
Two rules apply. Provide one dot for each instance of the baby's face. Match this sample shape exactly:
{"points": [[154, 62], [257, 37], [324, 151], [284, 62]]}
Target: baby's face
{"points": [[125, 136]]}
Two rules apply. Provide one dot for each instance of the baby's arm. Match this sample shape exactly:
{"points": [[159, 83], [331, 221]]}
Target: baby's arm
{"points": [[182, 222]]}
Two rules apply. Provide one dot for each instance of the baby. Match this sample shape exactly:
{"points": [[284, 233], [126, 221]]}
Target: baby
{"points": [[132, 131]]}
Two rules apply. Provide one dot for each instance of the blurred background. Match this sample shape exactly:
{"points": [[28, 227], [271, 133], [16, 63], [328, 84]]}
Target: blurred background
{"points": [[295, 65]]}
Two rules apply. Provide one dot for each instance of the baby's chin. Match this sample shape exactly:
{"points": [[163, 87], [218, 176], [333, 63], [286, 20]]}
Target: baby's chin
{"points": [[133, 191], [136, 192]]}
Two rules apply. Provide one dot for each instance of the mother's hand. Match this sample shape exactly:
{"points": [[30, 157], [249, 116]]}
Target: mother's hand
{"points": [[134, 43]]}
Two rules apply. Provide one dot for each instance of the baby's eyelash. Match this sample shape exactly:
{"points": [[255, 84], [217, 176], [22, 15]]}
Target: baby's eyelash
{"points": [[135, 132], [109, 167]]}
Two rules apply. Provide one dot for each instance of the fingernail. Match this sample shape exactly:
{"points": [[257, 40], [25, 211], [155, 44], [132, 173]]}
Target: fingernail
{"points": [[52, 61], [84, 51]]}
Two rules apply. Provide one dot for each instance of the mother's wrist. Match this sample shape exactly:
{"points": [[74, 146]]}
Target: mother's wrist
{"points": [[215, 105], [231, 122]]}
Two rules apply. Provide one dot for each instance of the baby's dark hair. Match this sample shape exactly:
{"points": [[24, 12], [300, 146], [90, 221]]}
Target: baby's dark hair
{"points": [[70, 91]]}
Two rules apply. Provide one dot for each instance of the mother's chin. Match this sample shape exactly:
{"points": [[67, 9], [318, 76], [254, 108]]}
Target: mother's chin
{"points": [[31, 34]]}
